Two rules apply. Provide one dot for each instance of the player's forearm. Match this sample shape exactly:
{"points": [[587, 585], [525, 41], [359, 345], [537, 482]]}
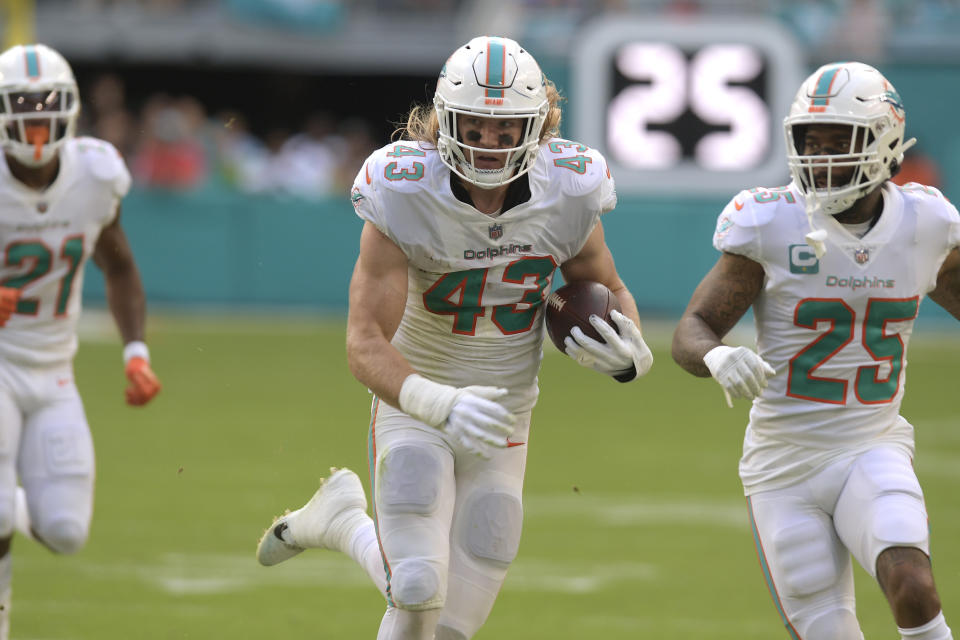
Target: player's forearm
{"points": [[128, 304], [692, 339], [947, 292], [628, 306], [378, 365]]}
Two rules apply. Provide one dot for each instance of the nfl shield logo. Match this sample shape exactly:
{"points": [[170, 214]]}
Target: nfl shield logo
{"points": [[861, 256], [496, 231]]}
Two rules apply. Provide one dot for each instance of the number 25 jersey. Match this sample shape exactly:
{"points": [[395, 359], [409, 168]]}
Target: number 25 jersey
{"points": [[836, 328], [476, 283]]}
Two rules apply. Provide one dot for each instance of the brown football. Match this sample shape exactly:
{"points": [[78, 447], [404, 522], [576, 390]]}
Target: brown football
{"points": [[572, 305]]}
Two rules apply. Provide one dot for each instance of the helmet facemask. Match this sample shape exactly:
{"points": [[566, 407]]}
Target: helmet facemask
{"points": [[858, 98], [491, 78], [835, 181], [39, 103], [36, 123], [461, 156]]}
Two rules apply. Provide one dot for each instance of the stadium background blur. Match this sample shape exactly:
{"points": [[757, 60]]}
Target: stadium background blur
{"points": [[244, 123]]}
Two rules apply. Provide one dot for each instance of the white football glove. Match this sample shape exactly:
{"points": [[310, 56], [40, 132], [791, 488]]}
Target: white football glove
{"points": [[470, 416], [624, 356], [741, 372]]}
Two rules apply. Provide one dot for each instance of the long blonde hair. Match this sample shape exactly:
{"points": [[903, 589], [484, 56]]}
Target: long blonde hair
{"points": [[423, 125]]}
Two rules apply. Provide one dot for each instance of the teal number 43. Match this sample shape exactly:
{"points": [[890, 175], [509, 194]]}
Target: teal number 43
{"points": [[460, 295]]}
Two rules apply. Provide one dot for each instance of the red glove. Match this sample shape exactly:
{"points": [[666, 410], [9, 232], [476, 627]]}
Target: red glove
{"points": [[8, 303], [143, 383]]}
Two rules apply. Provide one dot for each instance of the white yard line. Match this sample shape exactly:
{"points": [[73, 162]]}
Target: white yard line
{"points": [[201, 574], [630, 511]]}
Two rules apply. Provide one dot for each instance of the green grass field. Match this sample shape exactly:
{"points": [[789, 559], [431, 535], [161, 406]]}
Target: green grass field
{"points": [[635, 521]]}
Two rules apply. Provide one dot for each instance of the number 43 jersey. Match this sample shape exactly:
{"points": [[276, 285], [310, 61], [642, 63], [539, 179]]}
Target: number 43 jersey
{"points": [[46, 238], [835, 328], [476, 283]]}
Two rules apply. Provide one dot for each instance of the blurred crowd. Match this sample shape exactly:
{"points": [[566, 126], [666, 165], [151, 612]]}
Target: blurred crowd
{"points": [[172, 143], [175, 142]]}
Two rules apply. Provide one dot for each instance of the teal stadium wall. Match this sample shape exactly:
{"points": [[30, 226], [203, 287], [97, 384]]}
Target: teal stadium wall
{"points": [[216, 248]]}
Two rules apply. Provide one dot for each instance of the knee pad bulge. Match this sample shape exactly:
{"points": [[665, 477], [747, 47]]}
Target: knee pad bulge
{"points": [[63, 536], [416, 585], [492, 526], [805, 559], [408, 480]]}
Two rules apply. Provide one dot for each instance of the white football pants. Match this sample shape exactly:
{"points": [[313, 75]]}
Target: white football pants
{"points": [[806, 533], [46, 442], [448, 523]]}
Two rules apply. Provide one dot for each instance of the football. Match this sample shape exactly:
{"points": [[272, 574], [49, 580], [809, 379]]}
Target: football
{"points": [[572, 305]]}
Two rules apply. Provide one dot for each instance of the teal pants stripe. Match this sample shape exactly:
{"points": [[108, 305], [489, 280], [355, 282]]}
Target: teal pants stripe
{"points": [[768, 577], [372, 467]]}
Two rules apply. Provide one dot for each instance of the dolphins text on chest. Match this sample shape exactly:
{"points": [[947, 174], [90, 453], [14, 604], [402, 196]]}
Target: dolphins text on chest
{"points": [[495, 252], [853, 282]]}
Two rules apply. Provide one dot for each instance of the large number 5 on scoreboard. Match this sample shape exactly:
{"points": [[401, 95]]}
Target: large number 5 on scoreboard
{"points": [[460, 294], [869, 388]]}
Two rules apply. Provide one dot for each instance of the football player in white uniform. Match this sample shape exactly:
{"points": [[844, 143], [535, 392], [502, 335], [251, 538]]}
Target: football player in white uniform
{"points": [[835, 265], [59, 205], [466, 221]]}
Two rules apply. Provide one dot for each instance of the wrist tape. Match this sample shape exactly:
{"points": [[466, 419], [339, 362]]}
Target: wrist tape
{"points": [[428, 401], [135, 349]]}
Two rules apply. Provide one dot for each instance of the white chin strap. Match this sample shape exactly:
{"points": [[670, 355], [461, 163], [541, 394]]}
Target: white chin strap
{"points": [[816, 238], [487, 178], [490, 178], [30, 160], [25, 153]]}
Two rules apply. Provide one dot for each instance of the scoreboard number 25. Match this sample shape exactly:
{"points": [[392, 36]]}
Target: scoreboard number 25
{"points": [[686, 106]]}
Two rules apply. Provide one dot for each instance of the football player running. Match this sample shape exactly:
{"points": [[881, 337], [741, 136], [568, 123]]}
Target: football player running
{"points": [[59, 205], [835, 266], [466, 220]]}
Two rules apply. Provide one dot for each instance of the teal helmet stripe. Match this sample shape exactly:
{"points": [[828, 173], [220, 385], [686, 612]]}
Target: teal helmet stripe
{"points": [[824, 82], [33, 62], [496, 58]]}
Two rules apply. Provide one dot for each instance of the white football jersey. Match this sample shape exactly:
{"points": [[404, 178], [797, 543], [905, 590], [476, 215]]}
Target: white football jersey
{"points": [[836, 328], [46, 238], [476, 283]]}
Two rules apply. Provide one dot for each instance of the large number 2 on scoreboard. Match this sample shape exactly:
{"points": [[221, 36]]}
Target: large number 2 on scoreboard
{"points": [[459, 294], [869, 387], [40, 258]]}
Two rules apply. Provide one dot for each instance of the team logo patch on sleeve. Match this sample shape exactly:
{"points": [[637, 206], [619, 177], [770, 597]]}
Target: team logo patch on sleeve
{"points": [[723, 226], [356, 197], [496, 231]]}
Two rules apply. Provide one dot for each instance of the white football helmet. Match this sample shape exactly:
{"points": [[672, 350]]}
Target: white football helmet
{"points": [[854, 94], [490, 77], [39, 103]]}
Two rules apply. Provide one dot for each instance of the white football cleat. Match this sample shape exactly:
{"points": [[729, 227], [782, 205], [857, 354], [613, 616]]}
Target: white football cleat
{"points": [[326, 522]]}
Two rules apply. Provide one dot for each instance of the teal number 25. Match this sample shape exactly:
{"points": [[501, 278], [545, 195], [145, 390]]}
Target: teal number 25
{"points": [[869, 387]]}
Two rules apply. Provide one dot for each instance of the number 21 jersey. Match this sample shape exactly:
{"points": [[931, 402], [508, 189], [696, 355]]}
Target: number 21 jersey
{"points": [[46, 238]]}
